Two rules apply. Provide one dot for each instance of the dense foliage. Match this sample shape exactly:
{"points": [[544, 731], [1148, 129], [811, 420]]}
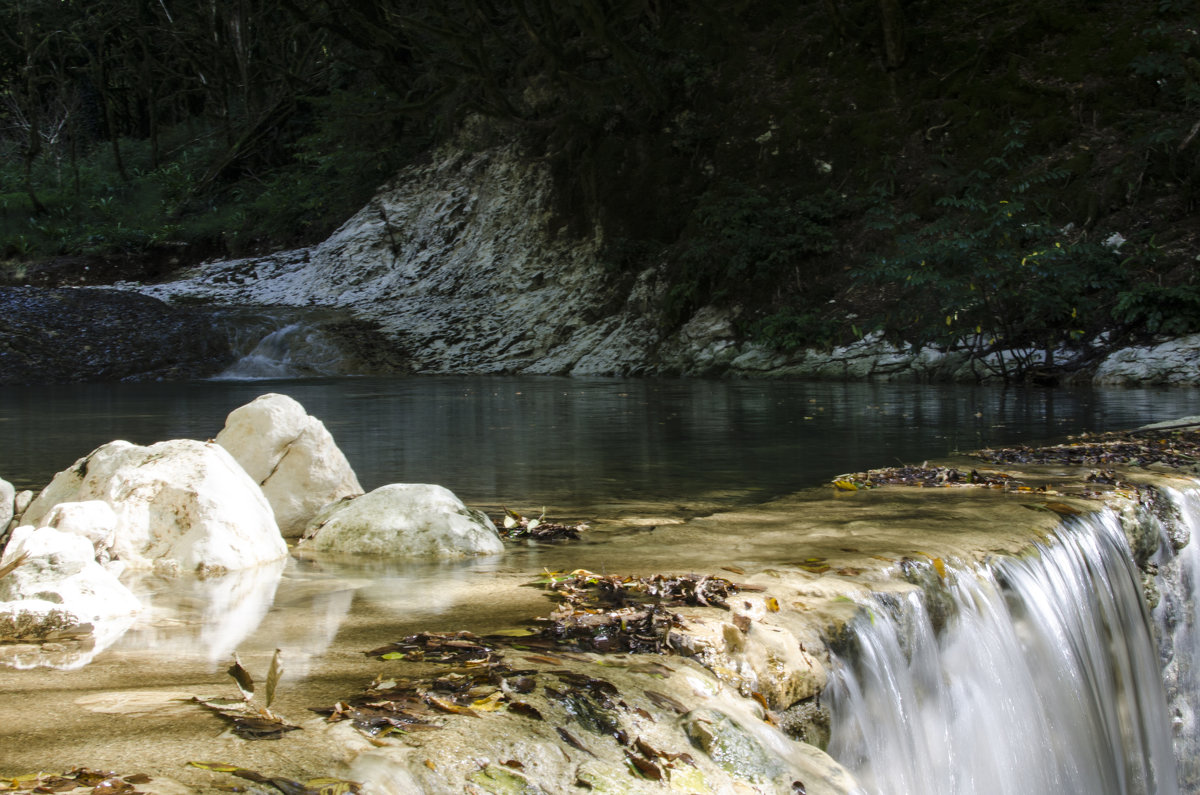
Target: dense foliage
{"points": [[941, 172]]}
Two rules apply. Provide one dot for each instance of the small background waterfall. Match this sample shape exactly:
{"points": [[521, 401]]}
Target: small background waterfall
{"points": [[1032, 675], [277, 345]]}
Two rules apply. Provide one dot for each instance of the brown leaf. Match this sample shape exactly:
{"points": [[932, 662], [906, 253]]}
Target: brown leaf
{"points": [[245, 681], [273, 675], [521, 708], [646, 767]]}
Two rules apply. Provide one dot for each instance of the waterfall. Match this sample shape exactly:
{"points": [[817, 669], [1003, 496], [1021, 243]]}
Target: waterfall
{"points": [[276, 348], [1177, 618], [1032, 675]]}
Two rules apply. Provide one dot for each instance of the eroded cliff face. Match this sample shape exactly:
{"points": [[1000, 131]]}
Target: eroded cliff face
{"points": [[458, 264], [461, 267]]}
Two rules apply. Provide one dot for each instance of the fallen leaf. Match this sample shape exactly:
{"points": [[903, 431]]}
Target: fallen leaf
{"points": [[245, 681]]}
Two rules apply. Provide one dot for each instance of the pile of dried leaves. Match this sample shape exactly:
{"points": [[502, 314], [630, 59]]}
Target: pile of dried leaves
{"points": [[250, 720], [602, 613], [925, 476], [475, 679], [513, 526], [81, 779], [1180, 449], [608, 613], [473, 676]]}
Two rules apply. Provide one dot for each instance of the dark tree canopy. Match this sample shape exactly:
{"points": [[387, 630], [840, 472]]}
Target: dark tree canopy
{"points": [[936, 171]]}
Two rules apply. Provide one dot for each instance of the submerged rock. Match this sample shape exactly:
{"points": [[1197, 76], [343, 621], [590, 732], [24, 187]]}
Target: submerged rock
{"points": [[729, 745], [292, 456], [404, 520], [180, 505]]}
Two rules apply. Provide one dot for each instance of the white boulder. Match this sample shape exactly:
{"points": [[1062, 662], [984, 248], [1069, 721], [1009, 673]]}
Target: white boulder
{"points": [[404, 520], [58, 587], [179, 505], [95, 520], [8, 496], [291, 456]]}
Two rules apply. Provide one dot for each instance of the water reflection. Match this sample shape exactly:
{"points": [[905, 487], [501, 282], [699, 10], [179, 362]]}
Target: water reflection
{"points": [[296, 605], [203, 618], [583, 443], [70, 653]]}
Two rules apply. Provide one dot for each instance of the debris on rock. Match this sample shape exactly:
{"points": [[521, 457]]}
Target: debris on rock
{"points": [[513, 526], [1179, 449], [926, 476], [78, 780]]}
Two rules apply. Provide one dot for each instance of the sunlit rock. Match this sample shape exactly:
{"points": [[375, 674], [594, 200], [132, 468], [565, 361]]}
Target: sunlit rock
{"points": [[402, 519], [7, 502], [58, 589], [95, 520], [180, 505], [291, 456]]}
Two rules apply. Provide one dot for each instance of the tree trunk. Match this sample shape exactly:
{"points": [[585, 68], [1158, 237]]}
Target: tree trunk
{"points": [[893, 33]]}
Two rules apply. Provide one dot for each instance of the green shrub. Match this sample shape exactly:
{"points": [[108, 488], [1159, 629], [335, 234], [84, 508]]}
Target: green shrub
{"points": [[1160, 309], [743, 241], [994, 273]]}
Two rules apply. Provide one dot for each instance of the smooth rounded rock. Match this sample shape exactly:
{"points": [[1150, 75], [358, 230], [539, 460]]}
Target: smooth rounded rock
{"points": [[8, 496], [292, 456], [179, 504], [59, 568], [404, 520]]}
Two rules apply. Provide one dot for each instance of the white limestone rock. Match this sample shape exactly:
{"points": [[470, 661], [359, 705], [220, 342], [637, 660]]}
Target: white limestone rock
{"points": [[95, 520], [292, 456], [404, 520], [180, 505], [8, 496], [58, 588], [1174, 362]]}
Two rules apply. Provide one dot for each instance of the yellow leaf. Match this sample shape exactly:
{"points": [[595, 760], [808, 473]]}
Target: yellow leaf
{"points": [[845, 485], [940, 567], [772, 604], [331, 786], [220, 767]]}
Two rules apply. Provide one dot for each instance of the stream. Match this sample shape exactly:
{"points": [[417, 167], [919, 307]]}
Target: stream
{"points": [[647, 462]]}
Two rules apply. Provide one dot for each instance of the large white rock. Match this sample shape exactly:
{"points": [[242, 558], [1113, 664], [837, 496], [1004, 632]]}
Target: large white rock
{"points": [[404, 520], [179, 505], [7, 502], [95, 520], [58, 587], [292, 456], [1175, 362]]}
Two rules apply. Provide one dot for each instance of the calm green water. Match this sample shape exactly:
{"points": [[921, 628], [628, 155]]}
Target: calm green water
{"points": [[582, 443]]}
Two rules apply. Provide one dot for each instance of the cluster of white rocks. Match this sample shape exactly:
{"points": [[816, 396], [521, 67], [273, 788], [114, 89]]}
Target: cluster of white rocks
{"points": [[184, 507]]}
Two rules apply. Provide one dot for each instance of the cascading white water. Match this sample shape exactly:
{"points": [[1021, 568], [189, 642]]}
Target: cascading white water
{"points": [[1030, 676], [1177, 618], [295, 350]]}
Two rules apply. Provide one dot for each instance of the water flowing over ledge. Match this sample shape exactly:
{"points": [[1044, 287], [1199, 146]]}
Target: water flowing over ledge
{"points": [[1035, 674], [890, 640]]}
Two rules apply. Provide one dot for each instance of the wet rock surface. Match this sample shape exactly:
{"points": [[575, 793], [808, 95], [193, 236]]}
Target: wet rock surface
{"points": [[63, 335]]}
